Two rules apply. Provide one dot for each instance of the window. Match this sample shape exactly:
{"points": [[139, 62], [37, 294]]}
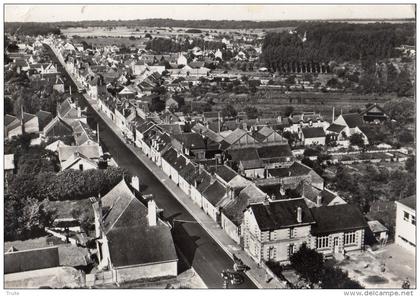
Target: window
{"points": [[291, 249], [271, 235], [292, 232], [322, 242], [406, 216], [271, 253], [350, 237], [413, 220]]}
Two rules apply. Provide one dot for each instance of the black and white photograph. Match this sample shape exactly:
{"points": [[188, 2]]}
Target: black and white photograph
{"points": [[209, 146]]}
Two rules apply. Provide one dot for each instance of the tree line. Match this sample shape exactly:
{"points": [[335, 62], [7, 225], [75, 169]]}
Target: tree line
{"points": [[340, 42]]}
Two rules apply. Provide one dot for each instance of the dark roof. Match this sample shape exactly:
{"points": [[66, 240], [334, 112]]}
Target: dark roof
{"points": [[245, 154], [33, 259], [313, 132], [191, 140], [281, 214], [226, 173], [203, 181], [353, 120], [8, 119], [296, 169], [170, 156], [335, 128], [131, 240], [311, 193], [44, 117], [409, 202], [214, 193], [275, 151], [337, 218]]}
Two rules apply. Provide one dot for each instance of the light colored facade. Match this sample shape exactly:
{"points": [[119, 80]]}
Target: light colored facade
{"points": [[405, 224]]}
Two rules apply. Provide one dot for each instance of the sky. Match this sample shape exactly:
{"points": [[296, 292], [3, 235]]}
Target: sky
{"points": [[56, 13]]}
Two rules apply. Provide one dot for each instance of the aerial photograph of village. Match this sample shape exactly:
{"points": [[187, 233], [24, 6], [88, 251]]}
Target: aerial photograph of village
{"points": [[209, 147]]}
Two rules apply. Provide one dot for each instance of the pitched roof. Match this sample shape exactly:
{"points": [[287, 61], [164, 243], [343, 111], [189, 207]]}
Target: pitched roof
{"points": [[234, 210], [130, 238], [409, 202], [44, 117], [226, 173], [296, 169], [8, 119], [235, 136], [335, 128], [353, 120], [275, 151], [311, 193], [313, 132], [337, 218], [191, 140], [281, 214], [244, 154], [214, 193], [91, 151], [76, 157]]}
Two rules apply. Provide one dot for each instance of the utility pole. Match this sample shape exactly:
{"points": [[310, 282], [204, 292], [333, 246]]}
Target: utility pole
{"points": [[97, 131]]}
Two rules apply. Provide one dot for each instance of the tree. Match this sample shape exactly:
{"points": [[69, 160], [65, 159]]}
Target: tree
{"points": [[405, 137], [405, 87], [410, 165], [357, 139], [229, 111], [288, 111], [251, 112], [335, 278], [308, 263]]}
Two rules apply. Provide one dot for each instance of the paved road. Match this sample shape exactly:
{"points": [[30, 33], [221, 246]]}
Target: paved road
{"points": [[197, 247]]}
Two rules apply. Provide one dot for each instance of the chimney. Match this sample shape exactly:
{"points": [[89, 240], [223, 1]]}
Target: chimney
{"points": [[151, 213], [79, 112], [318, 201], [299, 215], [135, 183], [200, 168], [333, 114], [266, 201]]}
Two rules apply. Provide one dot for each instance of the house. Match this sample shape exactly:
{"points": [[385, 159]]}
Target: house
{"points": [[338, 229], [132, 241], [92, 152], [191, 144], [12, 126], [233, 212], [345, 126], [228, 177], [26, 123], [214, 198], [201, 182], [57, 128], [44, 117], [181, 60], [293, 175], [374, 114], [59, 84], [239, 138], [378, 231], [274, 230], [78, 161], [67, 110], [405, 223], [316, 197], [313, 136]]}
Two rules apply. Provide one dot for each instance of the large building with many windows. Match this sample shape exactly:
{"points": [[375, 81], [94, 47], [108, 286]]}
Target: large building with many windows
{"points": [[275, 229], [405, 229]]}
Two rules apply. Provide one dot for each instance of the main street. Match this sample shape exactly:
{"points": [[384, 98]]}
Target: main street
{"points": [[194, 244], [192, 241]]}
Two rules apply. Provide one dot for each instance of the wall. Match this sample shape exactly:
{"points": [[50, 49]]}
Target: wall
{"points": [[31, 260], [405, 229], [230, 228], [146, 271]]}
